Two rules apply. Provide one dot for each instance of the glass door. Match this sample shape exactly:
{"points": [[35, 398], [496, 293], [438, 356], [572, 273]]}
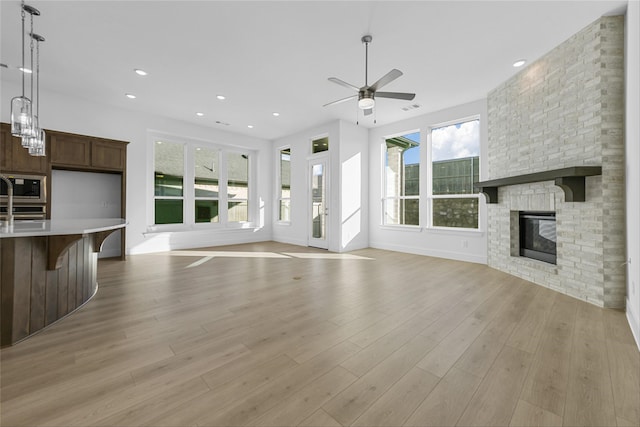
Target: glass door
{"points": [[318, 202]]}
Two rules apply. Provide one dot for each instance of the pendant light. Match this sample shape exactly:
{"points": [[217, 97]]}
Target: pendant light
{"points": [[24, 121], [36, 142], [30, 133], [21, 105]]}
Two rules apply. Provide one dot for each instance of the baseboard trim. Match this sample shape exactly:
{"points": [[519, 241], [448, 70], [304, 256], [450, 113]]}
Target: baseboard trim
{"points": [[430, 252]]}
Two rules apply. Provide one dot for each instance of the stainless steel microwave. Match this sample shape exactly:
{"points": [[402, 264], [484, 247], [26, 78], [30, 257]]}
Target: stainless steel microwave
{"points": [[26, 188]]}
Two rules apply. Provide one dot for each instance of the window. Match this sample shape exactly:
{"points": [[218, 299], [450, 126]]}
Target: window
{"points": [[284, 190], [455, 169], [196, 184], [320, 145], [402, 180], [168, 182], [238, 187], [206, 185]]}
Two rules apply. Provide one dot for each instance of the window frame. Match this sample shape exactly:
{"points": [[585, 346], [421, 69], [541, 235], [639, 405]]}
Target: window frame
{"points": [[188, 206], [196, 198], [250, 188], [399, 198], [426, 195], [430, 197], [279, 199], [156, 142]]}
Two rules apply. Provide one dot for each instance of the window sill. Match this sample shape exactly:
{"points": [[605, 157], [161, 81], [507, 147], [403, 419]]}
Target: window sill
{"points": [[414, 228], [454, 231], [159, 229], [433, 230]]}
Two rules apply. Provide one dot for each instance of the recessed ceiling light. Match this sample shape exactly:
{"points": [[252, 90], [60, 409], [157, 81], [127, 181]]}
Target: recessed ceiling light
{"points": [[519, 63], [199, 114], [275, 114], [250, 126], [221, 97], [25, 70], [140, 72], [130, 95]]}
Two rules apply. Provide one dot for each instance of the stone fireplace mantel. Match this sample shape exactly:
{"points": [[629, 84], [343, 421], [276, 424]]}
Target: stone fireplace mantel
{"points": [[571, 180]]}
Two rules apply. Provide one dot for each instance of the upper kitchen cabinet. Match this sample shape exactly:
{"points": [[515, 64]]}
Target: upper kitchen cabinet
{"points": [[15, 158], [87, 153], [70, 150], [108, 154]]}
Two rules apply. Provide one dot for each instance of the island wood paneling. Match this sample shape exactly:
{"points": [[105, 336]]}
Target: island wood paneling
{"points": [[33, 297], [38, 283]]}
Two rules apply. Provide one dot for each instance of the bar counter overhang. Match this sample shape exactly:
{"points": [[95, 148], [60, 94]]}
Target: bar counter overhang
{"points": [[47, 271]]}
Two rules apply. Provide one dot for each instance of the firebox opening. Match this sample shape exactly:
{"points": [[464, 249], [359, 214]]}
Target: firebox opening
{"points": [[538, 236]]}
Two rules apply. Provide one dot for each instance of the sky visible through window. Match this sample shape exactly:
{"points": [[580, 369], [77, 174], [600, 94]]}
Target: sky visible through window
{"points": [[448, 142], [456, 141], [412, 155]]}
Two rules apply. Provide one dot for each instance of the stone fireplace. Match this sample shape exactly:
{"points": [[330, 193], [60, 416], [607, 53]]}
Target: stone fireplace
{"points": [[563, 111]]}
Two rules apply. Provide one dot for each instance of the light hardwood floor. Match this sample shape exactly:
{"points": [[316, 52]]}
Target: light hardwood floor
{"points": [[277, 335]]}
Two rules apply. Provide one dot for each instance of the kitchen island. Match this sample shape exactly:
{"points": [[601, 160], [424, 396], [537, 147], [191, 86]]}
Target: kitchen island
{"points": [[47, 270]]}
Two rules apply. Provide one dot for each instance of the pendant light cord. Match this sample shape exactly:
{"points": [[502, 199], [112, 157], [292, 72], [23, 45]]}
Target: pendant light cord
{"points": [[22, 14], [37, 78], [31, 45]]}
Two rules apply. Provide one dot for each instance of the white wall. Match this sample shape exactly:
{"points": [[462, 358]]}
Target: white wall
{"points": [[348, 189], [455, 244], [67, 114], [354, 187], [632, 142]]}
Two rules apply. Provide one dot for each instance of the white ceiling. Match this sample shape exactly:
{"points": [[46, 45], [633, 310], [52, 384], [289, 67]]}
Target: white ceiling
{"points": [[267, 56]]}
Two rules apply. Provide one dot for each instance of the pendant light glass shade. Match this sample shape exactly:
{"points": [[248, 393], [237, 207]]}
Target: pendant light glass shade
{"points": [[42, 144], [31, 134], [20, 116], [37, 146]]}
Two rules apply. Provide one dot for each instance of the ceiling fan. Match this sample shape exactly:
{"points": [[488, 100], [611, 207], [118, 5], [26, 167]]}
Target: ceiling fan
{"points": [[367, 93]]}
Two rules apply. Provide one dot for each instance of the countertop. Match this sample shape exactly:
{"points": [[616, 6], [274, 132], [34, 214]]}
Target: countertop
{"points": [[56, 227]]}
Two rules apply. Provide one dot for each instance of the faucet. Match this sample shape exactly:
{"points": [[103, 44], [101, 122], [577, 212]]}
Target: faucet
{"points": [[9, 200]]}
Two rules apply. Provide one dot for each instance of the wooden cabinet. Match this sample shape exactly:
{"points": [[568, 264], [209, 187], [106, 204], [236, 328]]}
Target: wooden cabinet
{"points": [[70, 150], [108, 155], [87, 153], [15, 158]]}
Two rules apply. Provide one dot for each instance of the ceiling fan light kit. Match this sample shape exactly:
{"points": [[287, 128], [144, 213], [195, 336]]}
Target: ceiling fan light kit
{"points": [[367, 93], [366, 102]]}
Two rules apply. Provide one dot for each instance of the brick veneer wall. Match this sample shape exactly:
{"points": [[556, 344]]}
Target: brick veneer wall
{"points": [[566, 109]]}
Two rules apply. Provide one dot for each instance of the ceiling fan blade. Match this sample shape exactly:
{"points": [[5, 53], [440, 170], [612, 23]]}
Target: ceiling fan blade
{"points": [[396, 95], [368, 112], [341, 100], [386, 79], [343, 83]]}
